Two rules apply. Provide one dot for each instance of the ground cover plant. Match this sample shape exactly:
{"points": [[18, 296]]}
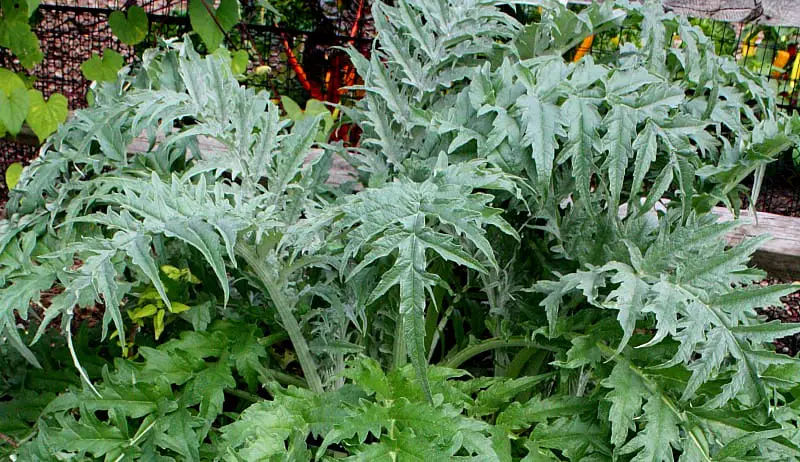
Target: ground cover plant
{"points": [[503, 281]]}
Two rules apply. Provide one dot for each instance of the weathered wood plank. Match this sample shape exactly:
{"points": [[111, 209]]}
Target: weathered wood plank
{"points": [[773, 12], [780, 256], [776, 12]]}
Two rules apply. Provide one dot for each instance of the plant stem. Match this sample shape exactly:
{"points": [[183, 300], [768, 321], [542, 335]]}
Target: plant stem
{"points": [[500, 358], [518, 362], [287, 379], [487, 345], [284, 308], [439, 329], [399, 350], [243, 395], [76, 362]]}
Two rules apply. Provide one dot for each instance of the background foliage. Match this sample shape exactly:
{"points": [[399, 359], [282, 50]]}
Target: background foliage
{"points": [[477, 293]]}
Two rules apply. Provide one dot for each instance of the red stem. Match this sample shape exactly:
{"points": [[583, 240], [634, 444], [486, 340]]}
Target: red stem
{"points": [[298, 69], [350, 74], [354, 29]]}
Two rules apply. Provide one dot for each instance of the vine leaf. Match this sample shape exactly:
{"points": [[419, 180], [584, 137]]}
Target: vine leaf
{"points": [[13, 102], [239, 61], [130, 28], [16, 33], [103, 69], [13, 109], [45, 116], [13, 172], [212, 29]]}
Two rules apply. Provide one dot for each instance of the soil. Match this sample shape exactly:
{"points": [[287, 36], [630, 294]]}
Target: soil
{"points": [[781, 200], [788, 312]]}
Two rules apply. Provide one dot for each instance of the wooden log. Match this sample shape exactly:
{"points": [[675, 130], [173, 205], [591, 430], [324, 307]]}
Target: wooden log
{"points": [[775, 12], [780, 256], [772, 12]]}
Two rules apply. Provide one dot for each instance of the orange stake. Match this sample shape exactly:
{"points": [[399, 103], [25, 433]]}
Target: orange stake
{"points": [[298, 69], [780, 61], [583, 48], [350, 70], [354, 29]]}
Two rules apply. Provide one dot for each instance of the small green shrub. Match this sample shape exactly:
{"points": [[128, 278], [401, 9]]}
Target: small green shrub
{"points": [[482, 296]]}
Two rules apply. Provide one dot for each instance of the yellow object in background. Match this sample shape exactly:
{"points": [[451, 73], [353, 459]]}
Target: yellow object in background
{"points": [[615, 40], [749, 47], [795, 72], [585, 46]]}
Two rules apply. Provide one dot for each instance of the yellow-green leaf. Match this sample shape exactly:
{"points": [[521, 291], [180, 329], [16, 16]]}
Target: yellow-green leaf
{"points": [[179, 307], [143, 311], [171, 272], [158, 323], [13, 173], [20, 38], [191, 278], [11, 102], [45, 116], [149, 294], [292, 109], [13, 109], [315, 107], [131, 28], [239, 60], [103, 69]]}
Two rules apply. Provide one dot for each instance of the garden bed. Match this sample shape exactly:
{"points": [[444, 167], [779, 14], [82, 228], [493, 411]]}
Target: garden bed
{"points": [[479, 296]]}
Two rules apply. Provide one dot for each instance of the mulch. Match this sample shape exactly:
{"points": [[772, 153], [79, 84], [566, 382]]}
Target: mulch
{"points": [[780, 199], [788, 312]]}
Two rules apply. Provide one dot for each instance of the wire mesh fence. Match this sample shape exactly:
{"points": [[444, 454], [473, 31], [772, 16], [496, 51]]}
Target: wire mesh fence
{"points": [[71, 31]]}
